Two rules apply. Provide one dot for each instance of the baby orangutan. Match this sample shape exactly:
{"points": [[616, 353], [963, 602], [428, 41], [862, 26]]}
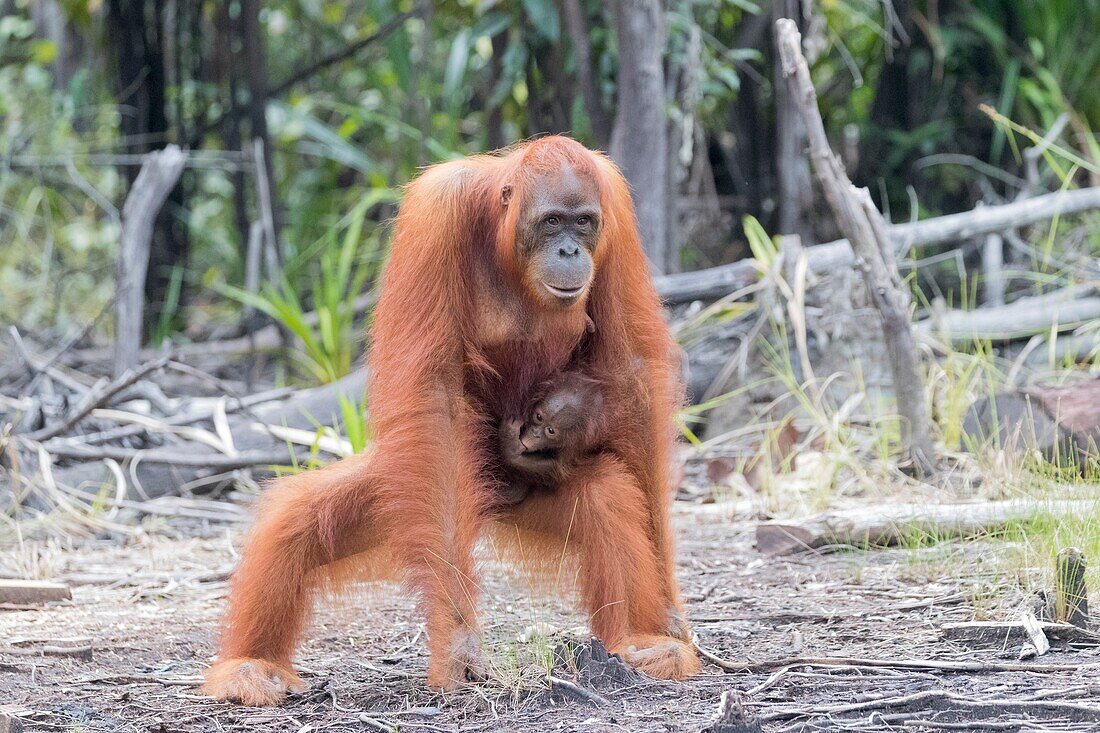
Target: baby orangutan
{"points": [[563, 425]]}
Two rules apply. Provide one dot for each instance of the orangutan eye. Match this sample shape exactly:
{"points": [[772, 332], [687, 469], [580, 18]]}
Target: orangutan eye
{"points": [[551, 431], [538, 417], [553, 221], [582, 221]]}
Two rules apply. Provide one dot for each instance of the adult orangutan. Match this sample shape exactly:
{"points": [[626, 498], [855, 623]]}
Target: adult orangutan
{"points": [[498, 263]]}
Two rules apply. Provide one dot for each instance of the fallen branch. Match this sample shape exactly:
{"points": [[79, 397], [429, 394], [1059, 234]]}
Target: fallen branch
{"points": [[212, 511], [377, 724], [1012, 633], [139, 679], [888, 525], [159, 471], [996, 705], [246, 459], [1061, 310], [80, 652], [40, 365], [715, 282], [232, 404], [1038, 644]]}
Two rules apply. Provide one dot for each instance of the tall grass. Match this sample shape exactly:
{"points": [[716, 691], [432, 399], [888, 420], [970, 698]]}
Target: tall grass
{"points": [[321, 315]]}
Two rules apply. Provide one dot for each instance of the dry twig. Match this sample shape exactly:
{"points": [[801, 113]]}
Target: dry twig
{"points": [[576, 690]]}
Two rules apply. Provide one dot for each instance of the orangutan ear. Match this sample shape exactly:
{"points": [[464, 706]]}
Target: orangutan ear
{"points": [[505, 196]]}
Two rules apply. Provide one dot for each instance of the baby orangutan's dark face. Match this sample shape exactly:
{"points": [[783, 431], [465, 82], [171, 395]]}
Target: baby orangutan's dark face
{"points": [[555, 431], [552, 422]]}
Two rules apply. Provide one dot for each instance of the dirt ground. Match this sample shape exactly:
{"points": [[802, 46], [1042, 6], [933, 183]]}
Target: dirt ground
{"points": [[143, 620]]}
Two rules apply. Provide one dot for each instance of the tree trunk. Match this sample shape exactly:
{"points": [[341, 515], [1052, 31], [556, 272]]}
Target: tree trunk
{"points": [[136, 31], [51, 23], [229, 44], [256, 66], [639, 143], [494, 123], [796, 198], [576, 24]]}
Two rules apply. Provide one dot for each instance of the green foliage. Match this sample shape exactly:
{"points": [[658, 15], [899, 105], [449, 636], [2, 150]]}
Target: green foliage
{"points": [[1030, 61], [56, 245], [326, 345], [354, 418], [763, 247], [170, 309]]}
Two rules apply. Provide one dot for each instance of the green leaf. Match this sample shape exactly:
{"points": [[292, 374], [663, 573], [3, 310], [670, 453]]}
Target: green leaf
{"points": [[543, 15], [456, 63], [331, 143], [764, 250], [44, 52]]}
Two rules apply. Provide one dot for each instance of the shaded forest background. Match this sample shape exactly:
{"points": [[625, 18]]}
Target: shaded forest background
{"points": [[324, 108]]}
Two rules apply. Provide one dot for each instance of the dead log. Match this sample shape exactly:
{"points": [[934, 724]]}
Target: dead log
{"points": [[875, 253], [158, 176], [881, 526], [1064, 310], [1062, 423], [32, 592], [715, 282]]}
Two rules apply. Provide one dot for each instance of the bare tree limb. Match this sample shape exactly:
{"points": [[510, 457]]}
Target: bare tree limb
{"points": [[871, 241], [1063, 309], [187, 457], [937, 665]]}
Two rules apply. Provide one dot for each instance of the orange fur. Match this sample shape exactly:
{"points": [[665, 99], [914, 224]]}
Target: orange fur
{"points": [[459, 342]]}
